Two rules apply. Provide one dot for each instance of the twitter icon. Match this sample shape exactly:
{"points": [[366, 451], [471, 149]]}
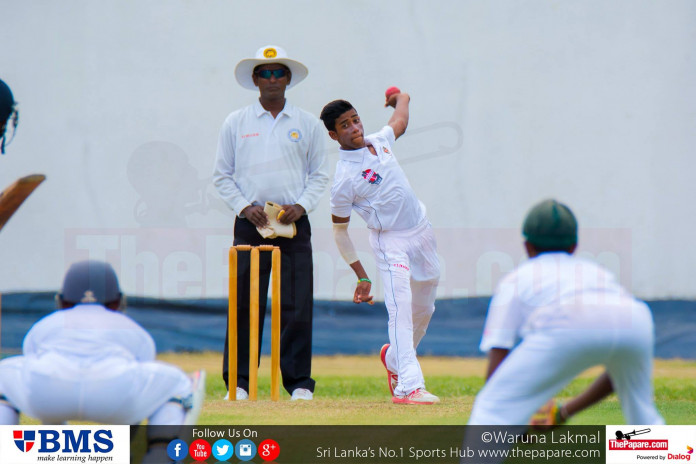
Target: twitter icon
{"points": [[223, 450]]}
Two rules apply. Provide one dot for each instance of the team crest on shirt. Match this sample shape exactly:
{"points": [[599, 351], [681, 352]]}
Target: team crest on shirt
{"points": [[385, 150], [295, 135], [372, 177], [24, 439]]}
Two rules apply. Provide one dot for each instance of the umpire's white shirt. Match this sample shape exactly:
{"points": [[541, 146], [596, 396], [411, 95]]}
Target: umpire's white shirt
{"points": [[552, 290], [375, 187], [261, 158]]}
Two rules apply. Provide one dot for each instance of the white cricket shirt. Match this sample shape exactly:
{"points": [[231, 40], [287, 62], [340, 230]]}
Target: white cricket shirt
{"points": [[261, 158], [87, 336], [375, 186], [552, 290]]}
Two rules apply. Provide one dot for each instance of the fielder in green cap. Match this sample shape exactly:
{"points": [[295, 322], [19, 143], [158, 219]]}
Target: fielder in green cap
{"points": [[552, 318], [551, 226]]}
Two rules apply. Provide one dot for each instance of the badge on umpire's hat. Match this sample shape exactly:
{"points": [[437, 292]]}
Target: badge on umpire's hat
{"points": [[266, 55]]}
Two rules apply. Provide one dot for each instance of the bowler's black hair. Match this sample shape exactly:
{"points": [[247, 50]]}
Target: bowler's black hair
{"points": [[332, 111]]}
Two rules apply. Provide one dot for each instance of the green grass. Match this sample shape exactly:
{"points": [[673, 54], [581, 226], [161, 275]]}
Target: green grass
{"points": [[352, 390]]}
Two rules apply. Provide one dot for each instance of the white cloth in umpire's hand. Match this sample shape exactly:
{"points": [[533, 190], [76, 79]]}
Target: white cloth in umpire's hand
{"points": [[274, 228]]}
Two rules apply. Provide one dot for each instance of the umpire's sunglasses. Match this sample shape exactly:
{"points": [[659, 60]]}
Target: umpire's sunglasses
{"points": [[267, 73]]}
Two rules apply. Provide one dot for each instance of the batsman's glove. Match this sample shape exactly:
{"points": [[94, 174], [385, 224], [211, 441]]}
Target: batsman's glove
{"points": [[549, 415]]}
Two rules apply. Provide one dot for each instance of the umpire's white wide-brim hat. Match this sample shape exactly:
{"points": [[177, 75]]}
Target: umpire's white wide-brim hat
{"points": [[266, 55]]}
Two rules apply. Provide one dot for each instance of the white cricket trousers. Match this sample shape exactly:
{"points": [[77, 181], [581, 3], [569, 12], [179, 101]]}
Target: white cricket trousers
{"points": [[619, 337], [410, 271], [116, 391]]}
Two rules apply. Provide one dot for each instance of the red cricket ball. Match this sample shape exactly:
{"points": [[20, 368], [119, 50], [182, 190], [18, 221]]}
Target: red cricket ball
{"points": [[391, 91]]}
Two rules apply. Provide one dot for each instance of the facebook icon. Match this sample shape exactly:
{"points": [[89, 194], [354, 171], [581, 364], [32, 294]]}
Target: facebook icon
{"points": [[177, 450]]}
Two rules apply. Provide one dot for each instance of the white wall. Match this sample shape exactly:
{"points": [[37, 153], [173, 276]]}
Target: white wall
{"points": [[512, 101]]}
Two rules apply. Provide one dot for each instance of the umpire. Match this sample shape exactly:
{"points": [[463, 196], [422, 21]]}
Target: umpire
{"points": [[273, 151]]}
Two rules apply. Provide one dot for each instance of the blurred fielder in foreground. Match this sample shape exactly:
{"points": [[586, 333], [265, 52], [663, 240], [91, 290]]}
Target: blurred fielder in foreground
{"points": [[570, 314], [370, 181], [88, 361], [13, 196], [8, 115]]}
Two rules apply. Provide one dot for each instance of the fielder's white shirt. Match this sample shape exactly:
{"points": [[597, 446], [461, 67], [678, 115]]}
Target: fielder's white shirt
{"points": [[261, 158], [86, 338], [93, 364], [375, 187], [552, 290]]}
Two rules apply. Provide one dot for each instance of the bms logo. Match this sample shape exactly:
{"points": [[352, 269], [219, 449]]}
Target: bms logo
{"points": [[65, 441], [24, 439]]}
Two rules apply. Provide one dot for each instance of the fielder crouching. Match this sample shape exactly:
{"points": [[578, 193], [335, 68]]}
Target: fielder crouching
{"points": [[555, 316], [90, 362]]}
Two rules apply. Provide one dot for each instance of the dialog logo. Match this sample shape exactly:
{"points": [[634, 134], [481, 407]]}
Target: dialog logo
{"points": [[680, 456], [177, 449], [246, 450], [24, 439], [223, 450]]}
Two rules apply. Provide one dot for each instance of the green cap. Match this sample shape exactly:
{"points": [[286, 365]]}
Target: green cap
{"points": [[550, 224]]}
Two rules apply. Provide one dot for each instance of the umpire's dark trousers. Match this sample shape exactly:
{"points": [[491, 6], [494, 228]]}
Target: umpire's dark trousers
{"points": [[296, 295]]}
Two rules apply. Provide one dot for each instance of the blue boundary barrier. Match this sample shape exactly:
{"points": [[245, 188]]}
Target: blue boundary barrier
{"points": [[340, 327]]}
